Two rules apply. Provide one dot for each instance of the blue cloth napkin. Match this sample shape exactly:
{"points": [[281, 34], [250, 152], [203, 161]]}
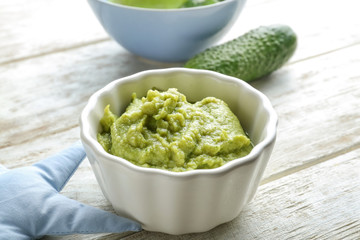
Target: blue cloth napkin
{"points": [[31, 205]]}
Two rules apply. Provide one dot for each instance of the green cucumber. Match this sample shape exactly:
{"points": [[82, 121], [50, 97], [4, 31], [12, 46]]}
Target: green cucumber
{"points": [[253, 55]]}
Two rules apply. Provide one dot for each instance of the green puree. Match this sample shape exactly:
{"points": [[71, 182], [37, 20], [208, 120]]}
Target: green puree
{"points": [[166, 4], [163, 130]]}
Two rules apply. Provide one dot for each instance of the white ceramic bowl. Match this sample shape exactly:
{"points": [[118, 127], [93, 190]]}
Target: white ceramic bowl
{"points": [[185, 202], [167, 35]]}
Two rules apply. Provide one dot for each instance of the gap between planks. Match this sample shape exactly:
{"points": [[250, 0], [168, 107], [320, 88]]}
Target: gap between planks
{"points": [[65, 49], [323, 54], [34, 137], [309, 164]]}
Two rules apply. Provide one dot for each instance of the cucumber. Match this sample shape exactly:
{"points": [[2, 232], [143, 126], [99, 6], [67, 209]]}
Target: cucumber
{"points": [[253, 55]]}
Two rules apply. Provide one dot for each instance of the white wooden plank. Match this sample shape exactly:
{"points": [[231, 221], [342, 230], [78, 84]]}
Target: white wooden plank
{"points": [[32, 28]]}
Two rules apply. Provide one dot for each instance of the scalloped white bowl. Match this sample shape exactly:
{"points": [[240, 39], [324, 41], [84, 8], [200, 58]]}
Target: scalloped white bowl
{"points": [[185, 202], [166, 35]]}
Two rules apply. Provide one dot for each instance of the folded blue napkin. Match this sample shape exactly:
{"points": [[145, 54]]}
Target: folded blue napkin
{"points": [[31, 205]]}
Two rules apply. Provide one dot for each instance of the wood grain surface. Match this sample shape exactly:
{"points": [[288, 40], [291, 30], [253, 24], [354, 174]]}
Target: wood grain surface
{"points": [[54, 55]]}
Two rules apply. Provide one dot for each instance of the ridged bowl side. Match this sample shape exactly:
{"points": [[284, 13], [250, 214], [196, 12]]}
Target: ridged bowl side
{"points": [[193, 201]]}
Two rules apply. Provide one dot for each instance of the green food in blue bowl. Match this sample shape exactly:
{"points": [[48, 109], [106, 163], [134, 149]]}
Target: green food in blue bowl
{"points": [[167, 35], [165, 4]]}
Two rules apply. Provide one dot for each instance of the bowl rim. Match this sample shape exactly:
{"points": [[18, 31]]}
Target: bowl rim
{"points": [[229, 166], [214, 5]]}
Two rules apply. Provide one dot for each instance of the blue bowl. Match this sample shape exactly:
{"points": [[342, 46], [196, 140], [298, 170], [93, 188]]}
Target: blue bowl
{"points": [[167, 35]]}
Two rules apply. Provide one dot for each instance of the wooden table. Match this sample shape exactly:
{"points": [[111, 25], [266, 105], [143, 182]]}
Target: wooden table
{"points": [[54, 55]]}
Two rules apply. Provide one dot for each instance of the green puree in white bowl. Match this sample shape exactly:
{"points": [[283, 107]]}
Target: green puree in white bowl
{"points": [[163, 130], [165, 4]]}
